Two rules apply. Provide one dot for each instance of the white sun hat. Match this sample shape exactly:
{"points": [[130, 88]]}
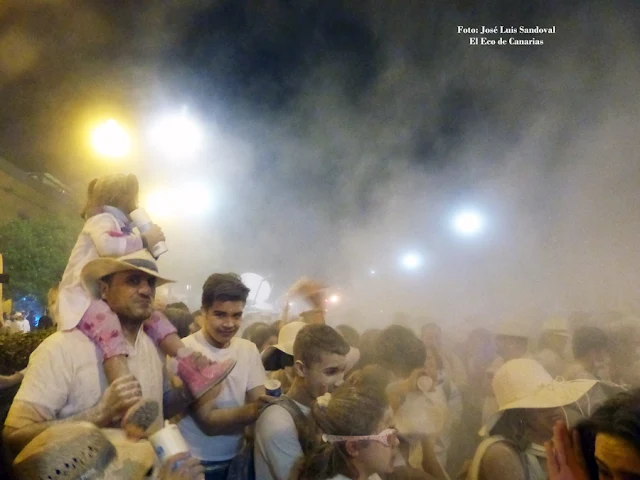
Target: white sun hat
{"points": [[286, 339], [524, 383]]}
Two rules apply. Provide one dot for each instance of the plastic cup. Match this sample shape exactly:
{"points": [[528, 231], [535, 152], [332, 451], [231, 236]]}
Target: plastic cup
{"points": [[273, 387], [142, 220], [168, 442]]}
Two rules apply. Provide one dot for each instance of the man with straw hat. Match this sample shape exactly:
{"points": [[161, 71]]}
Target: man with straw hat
{"points": [[65, 380], [80, 450]]}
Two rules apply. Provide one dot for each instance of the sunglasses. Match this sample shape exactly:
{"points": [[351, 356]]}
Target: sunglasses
{"points": [[385, 437]]}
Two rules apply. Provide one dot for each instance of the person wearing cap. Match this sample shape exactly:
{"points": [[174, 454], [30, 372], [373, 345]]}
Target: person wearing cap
{"points": [[80, 450], [65, 380], [530, 402], [278, 359], [214, 428], [552, 346]]}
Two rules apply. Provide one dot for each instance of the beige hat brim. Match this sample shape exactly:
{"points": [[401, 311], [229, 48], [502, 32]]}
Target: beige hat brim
{"points": [[103, 266], [556, 394], [134, 459]]}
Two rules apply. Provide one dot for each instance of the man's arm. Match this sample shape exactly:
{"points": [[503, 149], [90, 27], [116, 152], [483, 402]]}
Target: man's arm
{"points": [[26, 420], [226, 421]]}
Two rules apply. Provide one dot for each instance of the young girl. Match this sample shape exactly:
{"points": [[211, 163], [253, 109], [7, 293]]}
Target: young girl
{"points": [[108, 232], [358, 436]]}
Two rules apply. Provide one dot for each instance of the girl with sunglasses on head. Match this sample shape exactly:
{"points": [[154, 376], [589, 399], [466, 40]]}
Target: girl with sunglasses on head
{"points": [[358, 439]]}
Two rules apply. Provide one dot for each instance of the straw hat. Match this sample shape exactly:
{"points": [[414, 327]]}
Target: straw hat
{"points": [[81, 450], [286, 338], [557, 326], [140, 260], [524, 383]]}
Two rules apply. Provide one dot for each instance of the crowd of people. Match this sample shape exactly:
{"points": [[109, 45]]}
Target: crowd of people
{"points": [[295, 398]]}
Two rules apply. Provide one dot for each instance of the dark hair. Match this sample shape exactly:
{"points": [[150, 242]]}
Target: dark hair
{"points": [[431, 325], [619, 417], [223, 287], [371, 376], [119, 191], [399, 350], [252, 328], [180, 319], [314, 340], [261, 334], [512, 427], [367, 347], [588, 339], [352, 411], [350, 334], [178, 305]]}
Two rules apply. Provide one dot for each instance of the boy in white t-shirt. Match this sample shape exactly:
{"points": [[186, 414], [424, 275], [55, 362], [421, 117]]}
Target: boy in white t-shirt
{"points": [[215, 427]]}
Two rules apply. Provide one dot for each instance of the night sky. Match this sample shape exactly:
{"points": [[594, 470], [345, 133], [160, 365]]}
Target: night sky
{"points": [[328, 114]]}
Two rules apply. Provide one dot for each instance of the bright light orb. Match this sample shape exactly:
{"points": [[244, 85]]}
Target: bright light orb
{"points": [[111, 140], [334, 299], [411, 261], [177, 136], [468, 223], [259, 288]]}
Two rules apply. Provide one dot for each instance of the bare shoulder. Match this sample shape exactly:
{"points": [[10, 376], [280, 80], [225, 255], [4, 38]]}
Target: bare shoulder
{"points": [[502, 462]]}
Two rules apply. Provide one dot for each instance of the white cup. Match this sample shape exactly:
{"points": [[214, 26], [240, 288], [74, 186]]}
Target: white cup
{"points": [[168, 442], [141, 219]]}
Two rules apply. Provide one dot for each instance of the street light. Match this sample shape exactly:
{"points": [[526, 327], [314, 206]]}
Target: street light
{"points": [[110, 140], [177, 135], [468, 223], [411, 260]]}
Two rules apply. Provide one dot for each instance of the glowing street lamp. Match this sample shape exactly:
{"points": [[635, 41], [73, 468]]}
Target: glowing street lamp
{"points": [[177, 136], [411, 261], [110, 140], [468, 223]]}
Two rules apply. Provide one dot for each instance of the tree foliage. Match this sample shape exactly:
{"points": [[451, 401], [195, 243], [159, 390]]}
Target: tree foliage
{"points": [[35, 253]]}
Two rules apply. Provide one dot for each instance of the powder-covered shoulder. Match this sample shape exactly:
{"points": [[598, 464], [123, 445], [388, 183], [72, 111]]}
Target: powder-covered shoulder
{"points": [[101, 221]]}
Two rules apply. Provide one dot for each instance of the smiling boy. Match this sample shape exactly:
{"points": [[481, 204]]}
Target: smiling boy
{"points": [[214, 428]]}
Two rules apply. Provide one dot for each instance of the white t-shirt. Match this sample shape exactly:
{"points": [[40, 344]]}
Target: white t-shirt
{"points": [[65, 373], [277, 448], [247, 375]]}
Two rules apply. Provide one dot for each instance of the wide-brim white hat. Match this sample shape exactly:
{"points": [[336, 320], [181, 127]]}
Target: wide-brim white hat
{"points": [[524, 383], [101, 267], [286, 339]]}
